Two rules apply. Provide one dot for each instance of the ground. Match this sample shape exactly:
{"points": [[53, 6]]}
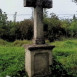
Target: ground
{"points": [[64, 58]]}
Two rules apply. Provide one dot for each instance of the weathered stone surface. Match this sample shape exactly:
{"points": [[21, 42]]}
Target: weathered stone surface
{"points": [[38, 59], [38, 26], [34, 3], [42, 46], [42, 68], [38, 17]]}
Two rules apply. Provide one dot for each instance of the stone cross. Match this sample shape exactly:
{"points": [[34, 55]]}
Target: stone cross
{"points": [[38, 17], [38, 57]]}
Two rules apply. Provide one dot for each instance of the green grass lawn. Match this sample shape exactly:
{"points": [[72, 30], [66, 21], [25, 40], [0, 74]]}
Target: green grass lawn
{"points": [[12, 57], [66, 53], [11, 60]]}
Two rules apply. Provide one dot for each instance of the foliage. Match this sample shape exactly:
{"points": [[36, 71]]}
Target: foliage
{"points": [[58, 69], [21, 42], [17, 30], [60, 28], [11, 31], [3, 25], [73, 28], [2, 42], [66, 53], [54, 28], [74, 1], [26, 29], [21, 30], [11, 61], [64, 61]]}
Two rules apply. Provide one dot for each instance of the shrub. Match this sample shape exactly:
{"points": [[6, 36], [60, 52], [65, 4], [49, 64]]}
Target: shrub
{"points": [[66, 53], [11, 61], [21, 42], [3, 42]]}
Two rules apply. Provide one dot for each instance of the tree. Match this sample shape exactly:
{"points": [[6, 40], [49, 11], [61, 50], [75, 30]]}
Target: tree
{"points": [[3, 24], [26, 29], [54, 27], [73, 28], [74, 1]]}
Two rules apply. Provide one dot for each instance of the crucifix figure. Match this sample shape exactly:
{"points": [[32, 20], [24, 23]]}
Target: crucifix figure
{"points": [[38, 17]]}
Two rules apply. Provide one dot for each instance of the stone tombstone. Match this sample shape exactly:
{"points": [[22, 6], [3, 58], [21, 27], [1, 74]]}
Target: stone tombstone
{"points": [[38, 57]]}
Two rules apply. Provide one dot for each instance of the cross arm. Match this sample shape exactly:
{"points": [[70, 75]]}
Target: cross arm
{"points": [[29, 3], [34, 3]]}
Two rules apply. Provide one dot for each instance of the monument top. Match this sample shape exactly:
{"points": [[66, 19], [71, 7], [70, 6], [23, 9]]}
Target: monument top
{"points": [[34, 3]]}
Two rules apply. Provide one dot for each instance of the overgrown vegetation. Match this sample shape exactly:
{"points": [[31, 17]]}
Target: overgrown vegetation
{"points": [[66, 53], [2, 42], [54, 28], [11, 31], [64, 59], [22, 42], [11, 61], [12, 54], [12, 57]]}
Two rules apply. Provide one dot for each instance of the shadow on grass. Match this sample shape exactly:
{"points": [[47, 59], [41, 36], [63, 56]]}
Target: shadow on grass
{"points": [[57, 71], [21, 73]]}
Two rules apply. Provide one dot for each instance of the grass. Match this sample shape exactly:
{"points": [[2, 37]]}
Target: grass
{"points": [[21, 42], [12, 57], [66, 53], [2, 42], [11, 60]]}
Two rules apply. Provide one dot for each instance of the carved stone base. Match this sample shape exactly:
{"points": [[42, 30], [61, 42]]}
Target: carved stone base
{"points": [[38, 59], [39, 41]]}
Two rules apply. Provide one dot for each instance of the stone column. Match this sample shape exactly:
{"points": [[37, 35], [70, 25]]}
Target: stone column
{"points": [[38, 25]]}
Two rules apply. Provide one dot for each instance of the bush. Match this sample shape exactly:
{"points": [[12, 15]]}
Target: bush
{"points": [[2, 42], [21, 42], [66, 53], [64, 61], [11, 61]]}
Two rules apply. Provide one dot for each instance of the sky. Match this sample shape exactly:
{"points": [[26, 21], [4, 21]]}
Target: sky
{"points": [[59, 7]]}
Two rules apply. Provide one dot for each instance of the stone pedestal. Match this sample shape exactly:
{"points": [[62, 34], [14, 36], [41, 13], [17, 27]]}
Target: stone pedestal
{"points": [[38, 59]]}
